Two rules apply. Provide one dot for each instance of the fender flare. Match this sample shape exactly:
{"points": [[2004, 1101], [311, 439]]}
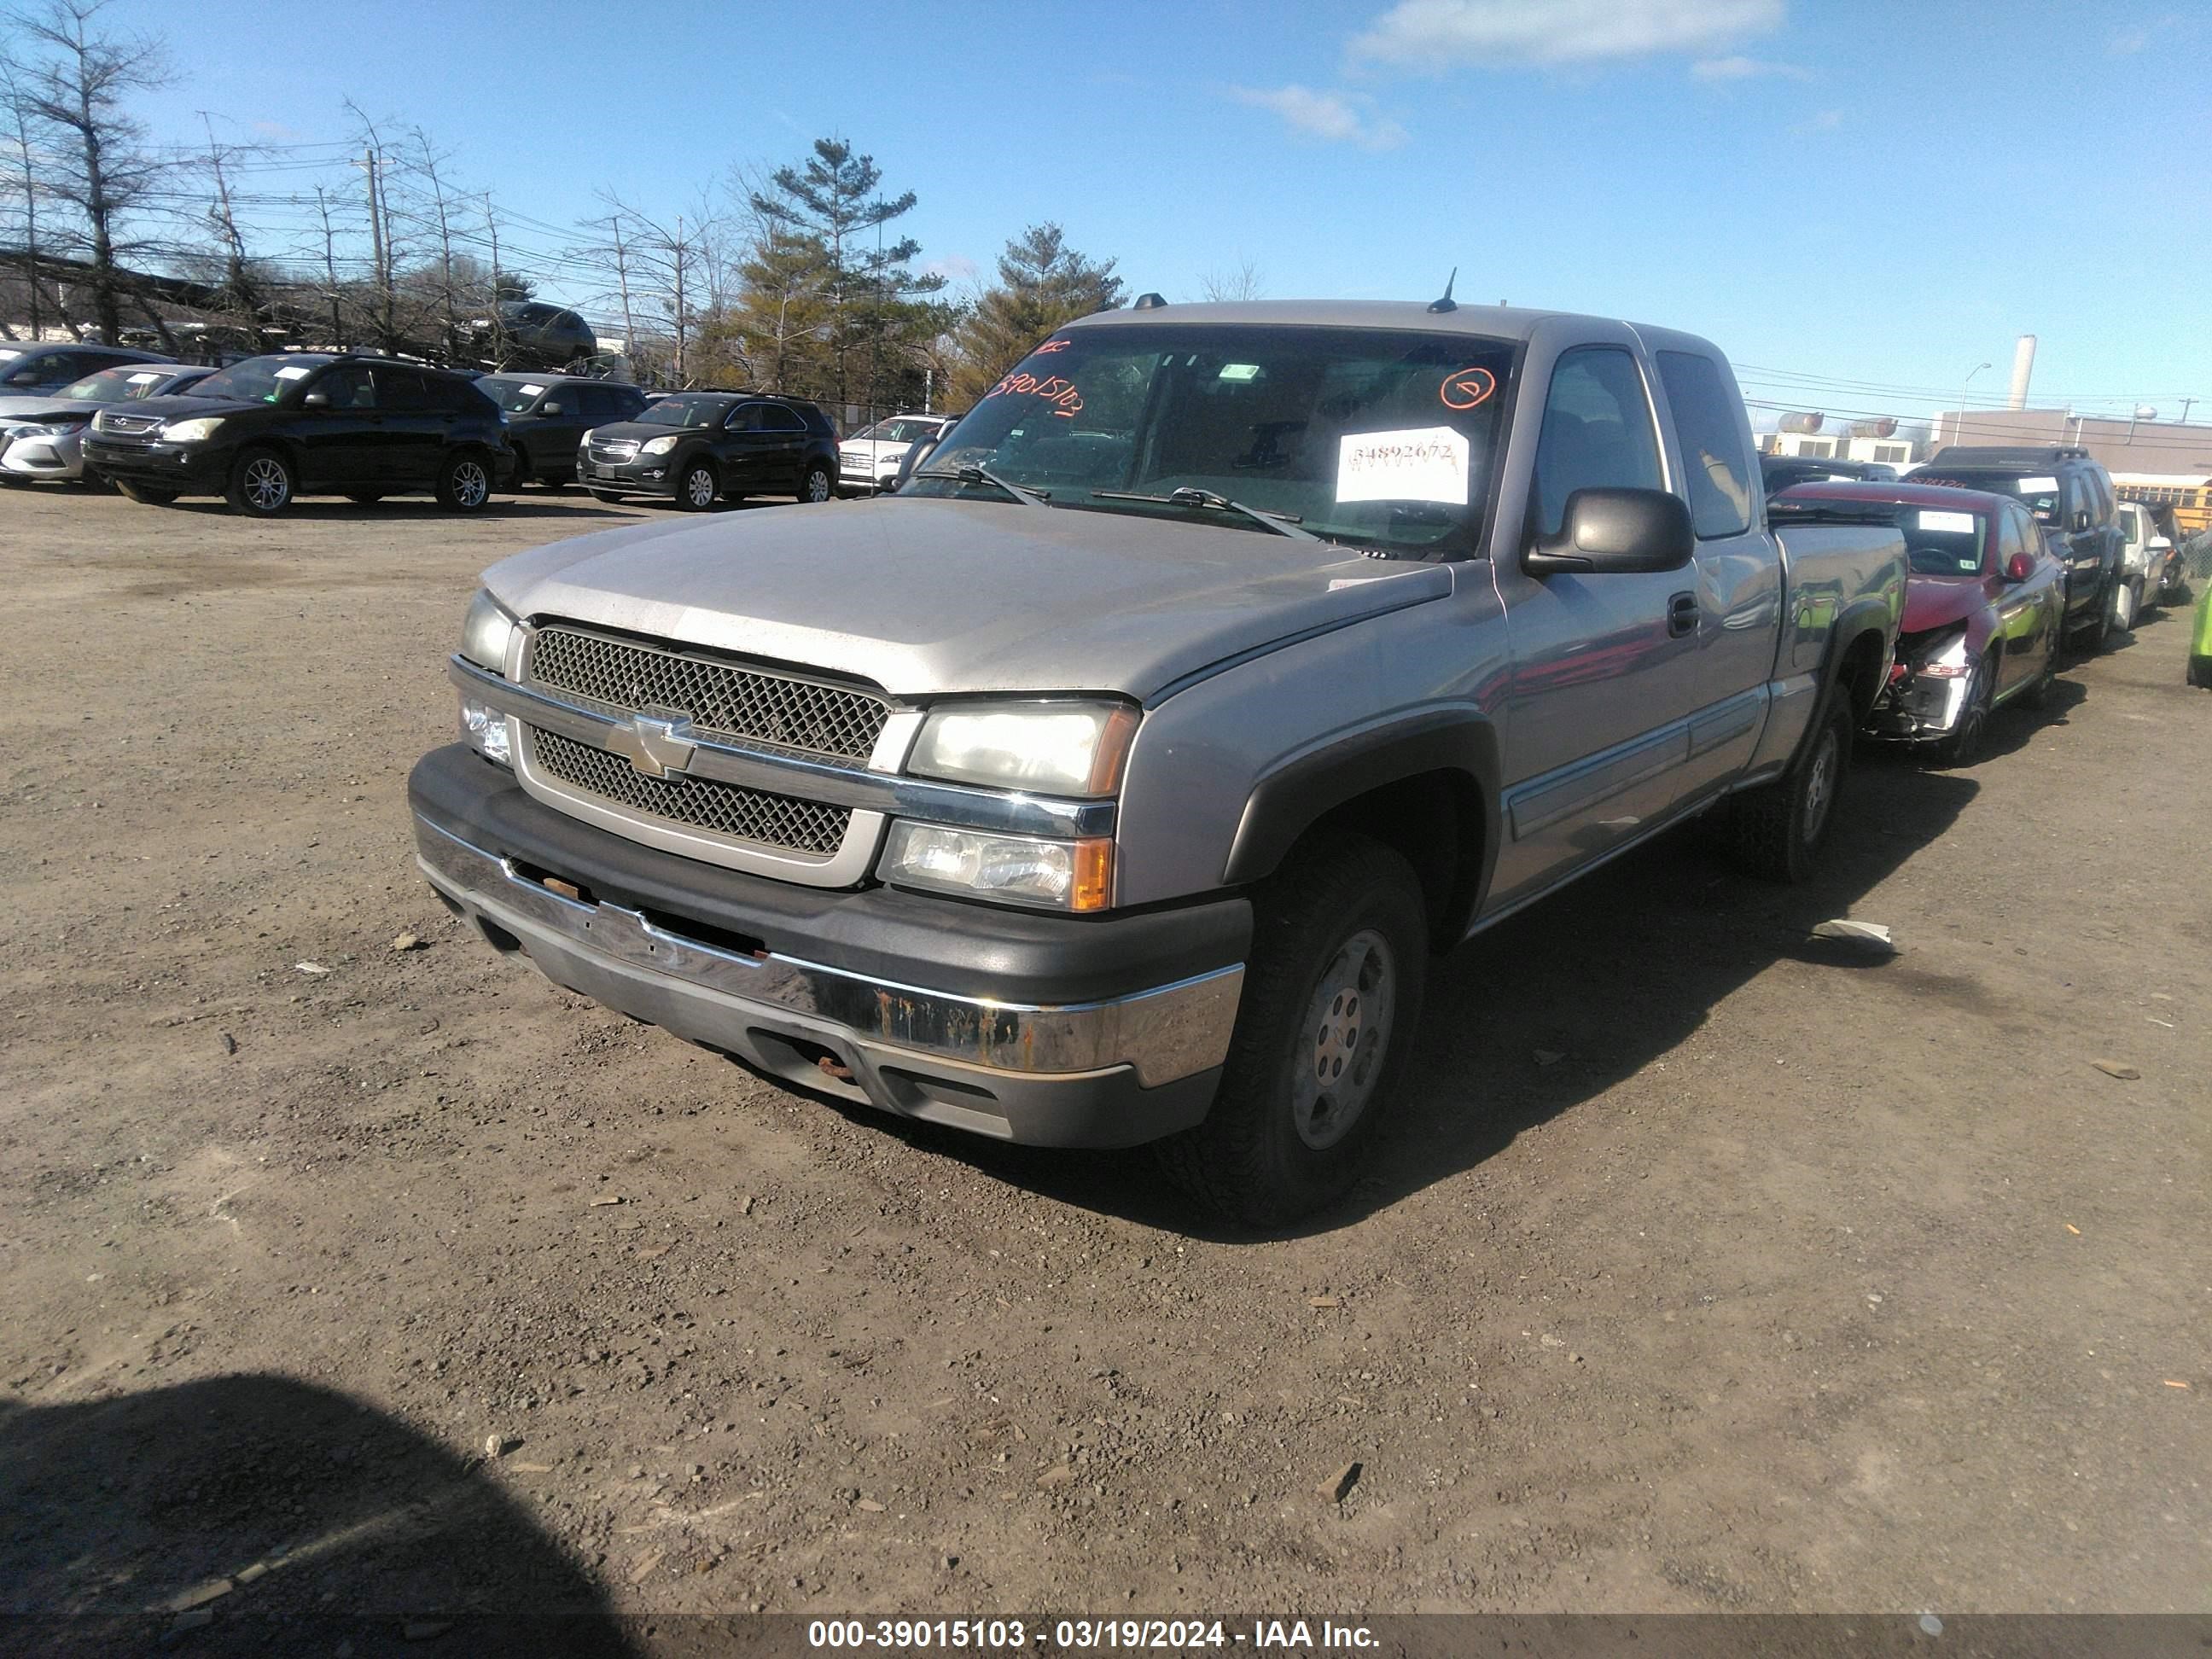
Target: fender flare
{"points": [[1303, 788], [1868, 615]]}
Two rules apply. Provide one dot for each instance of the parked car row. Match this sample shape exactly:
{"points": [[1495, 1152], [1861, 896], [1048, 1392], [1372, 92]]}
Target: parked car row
{"points": [[264, 431]]}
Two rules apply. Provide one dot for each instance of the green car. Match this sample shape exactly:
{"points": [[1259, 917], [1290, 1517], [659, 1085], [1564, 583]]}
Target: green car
{"points": [[2200, 641]]}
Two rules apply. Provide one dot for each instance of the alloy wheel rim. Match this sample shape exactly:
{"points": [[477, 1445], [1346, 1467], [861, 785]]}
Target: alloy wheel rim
{"points": [[1820, 786], [267, 486], [818, 486], [699, 487], [470, 485], [1350, 1017]]}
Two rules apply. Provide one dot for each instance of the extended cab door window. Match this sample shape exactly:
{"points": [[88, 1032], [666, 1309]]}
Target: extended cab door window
{"points": [[1708, 427], [1598, 433]]}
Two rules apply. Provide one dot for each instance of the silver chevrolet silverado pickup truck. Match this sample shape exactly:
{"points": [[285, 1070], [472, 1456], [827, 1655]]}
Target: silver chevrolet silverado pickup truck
{"points": [[1116, 778]]}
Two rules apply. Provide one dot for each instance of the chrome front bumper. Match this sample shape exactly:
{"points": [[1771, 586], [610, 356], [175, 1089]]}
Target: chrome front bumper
{"points": [[1112, 1072]]}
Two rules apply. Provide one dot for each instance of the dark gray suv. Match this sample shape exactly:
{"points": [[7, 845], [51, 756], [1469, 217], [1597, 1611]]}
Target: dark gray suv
{"points": [[2071, 496]]}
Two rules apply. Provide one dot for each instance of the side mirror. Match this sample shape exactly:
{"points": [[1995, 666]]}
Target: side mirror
{"points": [[2020, 566], [1617, 530], [910, 463], [549, 408], [2162, 545], [316, 400]]}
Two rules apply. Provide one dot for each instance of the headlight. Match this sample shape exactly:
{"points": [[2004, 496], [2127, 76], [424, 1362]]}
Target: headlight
{"points": [[190, 431], [1948, 658], [39, 431], [1051, 747], [1055, 875], [589, 433], [658, 446], [487, 633]]}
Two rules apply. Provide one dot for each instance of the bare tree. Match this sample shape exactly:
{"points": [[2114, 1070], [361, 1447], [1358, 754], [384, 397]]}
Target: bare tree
{"points": [[384, 257], [661, 263], [102, 171], [428, 176], [23, 182], [1242, 281]]}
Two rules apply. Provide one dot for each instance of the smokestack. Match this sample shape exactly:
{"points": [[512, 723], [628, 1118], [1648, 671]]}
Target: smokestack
{"points": [[2023, 365]]}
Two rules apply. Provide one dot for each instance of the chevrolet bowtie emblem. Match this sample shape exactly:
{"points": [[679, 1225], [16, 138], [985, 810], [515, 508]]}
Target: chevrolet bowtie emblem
{"points": [[654, 740]]}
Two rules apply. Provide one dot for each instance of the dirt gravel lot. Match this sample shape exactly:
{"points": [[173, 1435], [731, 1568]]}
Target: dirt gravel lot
{"points": [[1708, 1268]]}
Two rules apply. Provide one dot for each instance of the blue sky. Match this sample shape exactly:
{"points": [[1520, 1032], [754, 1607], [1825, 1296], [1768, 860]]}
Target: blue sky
{"points": [[1879, 195]]}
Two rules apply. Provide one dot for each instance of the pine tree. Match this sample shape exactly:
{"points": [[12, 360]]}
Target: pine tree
{"points": [[1042, 283], [869, 293]]}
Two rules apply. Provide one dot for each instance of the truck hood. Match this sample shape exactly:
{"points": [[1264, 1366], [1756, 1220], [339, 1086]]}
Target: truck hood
{"points": [[926, 596]]}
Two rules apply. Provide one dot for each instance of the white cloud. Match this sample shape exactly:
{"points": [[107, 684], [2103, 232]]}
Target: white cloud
{"points": [[953, 267], [1334, 117], [1743, 68], [1438, 34]]}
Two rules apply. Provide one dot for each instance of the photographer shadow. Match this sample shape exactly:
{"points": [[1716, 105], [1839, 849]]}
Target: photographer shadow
{"points": [[259, 1515]]}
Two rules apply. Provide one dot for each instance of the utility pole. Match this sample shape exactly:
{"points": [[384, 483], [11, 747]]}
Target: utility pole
{"points": [[330, 269], [676, 252], [380, 251], [2185, 402], [498, 321]]}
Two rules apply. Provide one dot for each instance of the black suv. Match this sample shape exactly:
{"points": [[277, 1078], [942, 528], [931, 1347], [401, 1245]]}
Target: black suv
{"points": [[2071, 496], [1781, 472], [690, 446], [548, 415], [304, 423]]}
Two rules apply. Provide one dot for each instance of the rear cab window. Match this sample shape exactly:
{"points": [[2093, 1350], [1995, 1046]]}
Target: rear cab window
{"points": [[1706, 412]]}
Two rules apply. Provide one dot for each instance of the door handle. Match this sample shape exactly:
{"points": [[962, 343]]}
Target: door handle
{"points": [[1681, 615]]}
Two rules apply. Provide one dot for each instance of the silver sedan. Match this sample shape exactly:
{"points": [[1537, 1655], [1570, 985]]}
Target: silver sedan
{"points": [[43, 437]]}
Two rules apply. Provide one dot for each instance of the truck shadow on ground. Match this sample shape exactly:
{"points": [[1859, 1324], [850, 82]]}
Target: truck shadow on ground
{"points": [[1552, 1008], [408, 509], [267, 1516]]}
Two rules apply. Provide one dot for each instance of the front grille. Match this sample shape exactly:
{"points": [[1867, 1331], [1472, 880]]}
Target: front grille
{"points": [[614, 450], [112, 422], [723, 809], [721, 699]]}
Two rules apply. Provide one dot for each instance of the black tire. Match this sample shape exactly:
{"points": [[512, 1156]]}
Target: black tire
{"points": [[2200, 672], [1339, 907], [465, 482], [261, 485], [1964, 746], [1779, 828], [2089, 639], [149, 494], [817, 483], [522, 472], [696, 486], [607, 495], [2037, 693]]}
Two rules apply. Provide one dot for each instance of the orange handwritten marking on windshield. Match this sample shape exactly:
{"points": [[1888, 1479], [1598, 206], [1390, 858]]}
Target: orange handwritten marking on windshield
{"points": [[1050, 345], [1058, 393], [1463, 388]]}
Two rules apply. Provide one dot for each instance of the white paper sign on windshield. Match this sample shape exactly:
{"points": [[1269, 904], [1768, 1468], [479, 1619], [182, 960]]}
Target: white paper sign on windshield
{"points": [[529, 390], [1420, 463], [143, 379], [293, 372], [2038, 486], [1961, 522]]}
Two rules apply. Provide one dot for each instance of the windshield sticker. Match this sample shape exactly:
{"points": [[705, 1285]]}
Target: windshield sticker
{"points": [[1423, 464], [529, 390], [1050, 346], [293, 372], [1961, 522], [1463, 388], [2037, 486], [1239, 371], [143, 379], [1061, 394]]}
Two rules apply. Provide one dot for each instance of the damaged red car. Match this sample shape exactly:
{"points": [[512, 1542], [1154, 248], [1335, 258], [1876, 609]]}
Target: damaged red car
{"points": [[1984, 602]]}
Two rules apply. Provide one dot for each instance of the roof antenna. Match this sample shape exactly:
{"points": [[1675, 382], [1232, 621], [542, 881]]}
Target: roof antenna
{"points": [[1447, 303]]}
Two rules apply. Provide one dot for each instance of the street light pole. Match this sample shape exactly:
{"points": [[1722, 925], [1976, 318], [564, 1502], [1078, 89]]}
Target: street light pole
{"points": [[1963, 384]]}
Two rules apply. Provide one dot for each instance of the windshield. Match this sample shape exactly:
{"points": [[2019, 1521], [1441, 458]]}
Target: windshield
{"points": [[115, 386], [260, 380], [898, 432], [2039, 496], [1941, 542], [683, 411], [1382, 437], [512, 393]]}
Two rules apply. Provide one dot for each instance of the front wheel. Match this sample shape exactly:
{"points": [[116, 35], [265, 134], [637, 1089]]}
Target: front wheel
{"points": [[261, 484], [697, 487], [818, 485], [1780, 827], [1964, 746], [463, 483], [150, 494], [607, 495], [1331, 998]]}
